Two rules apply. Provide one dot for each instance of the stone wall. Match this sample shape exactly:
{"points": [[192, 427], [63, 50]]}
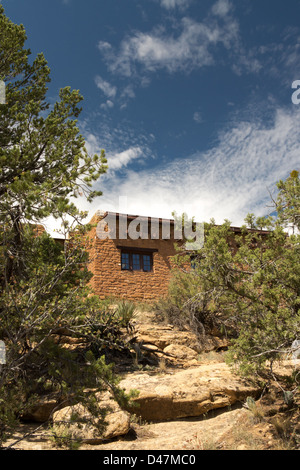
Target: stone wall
{"points": [[110, 280]]}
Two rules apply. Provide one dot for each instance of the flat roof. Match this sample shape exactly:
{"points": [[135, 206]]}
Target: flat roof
{"points": [[172, 221]]}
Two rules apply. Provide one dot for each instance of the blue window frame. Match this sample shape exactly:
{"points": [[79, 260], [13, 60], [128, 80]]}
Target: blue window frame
{"points": [[125, 261], [136, 261], [147, 262]]}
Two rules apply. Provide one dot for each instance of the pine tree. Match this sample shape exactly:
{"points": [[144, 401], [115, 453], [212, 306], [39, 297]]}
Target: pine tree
{"points": [[247, 285], [44, 291]]}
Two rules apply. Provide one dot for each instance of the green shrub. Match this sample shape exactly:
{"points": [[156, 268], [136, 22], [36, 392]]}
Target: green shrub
{"points": [[125, 312]]}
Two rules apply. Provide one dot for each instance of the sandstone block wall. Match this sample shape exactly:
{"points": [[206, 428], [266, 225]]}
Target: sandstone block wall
{"points": [[110, 280]]}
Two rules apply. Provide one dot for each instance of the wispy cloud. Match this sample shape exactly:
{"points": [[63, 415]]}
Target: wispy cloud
{"points": [[221, 7], [191, 45], [227, 182], [171, 4], [122, 159], [281, 59], [197, 117], [117, 159], [107, 105], [108, 89]]}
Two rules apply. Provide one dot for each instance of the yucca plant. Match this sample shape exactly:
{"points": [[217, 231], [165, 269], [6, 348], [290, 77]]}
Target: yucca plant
{"points": [[125, 312]]}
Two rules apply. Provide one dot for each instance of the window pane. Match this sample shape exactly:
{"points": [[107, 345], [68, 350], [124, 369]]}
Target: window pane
{"points": [[136, 261], [136, 265], [125, 261], [147, 262]]}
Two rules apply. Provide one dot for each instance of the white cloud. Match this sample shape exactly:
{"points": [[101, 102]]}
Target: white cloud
{"points": [[107, 105], [92, 144], [108, 89], [104, 46], [128, 92], [191, 48], [170, 4], [126, 95], [198, 117], [221, 8], [281, 60], [116, 159], [227, 182], [122, 159]]}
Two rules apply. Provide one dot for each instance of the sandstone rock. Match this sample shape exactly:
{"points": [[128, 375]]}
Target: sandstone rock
{"points": [[118, 421], [185, 434], [213, 343], [180, 351], [186, 393], [148, 330], [242, 447], [163, 335], [41, 412]]}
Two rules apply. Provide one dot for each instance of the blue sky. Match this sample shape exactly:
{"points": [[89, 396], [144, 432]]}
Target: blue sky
{"points": [[190, 99]]}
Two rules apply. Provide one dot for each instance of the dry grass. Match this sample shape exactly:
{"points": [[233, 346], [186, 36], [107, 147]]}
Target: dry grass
{"points": [[211, 356]]}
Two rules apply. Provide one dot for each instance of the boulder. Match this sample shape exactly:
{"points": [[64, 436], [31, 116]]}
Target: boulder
{"points": [[181, 352], [42, 410], [185, 434], [148, 330], [117, 421], [162, 335], [186, 393]]}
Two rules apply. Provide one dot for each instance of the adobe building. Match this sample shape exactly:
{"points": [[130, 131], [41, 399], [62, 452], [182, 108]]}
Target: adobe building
{"points": [[131, 256]]}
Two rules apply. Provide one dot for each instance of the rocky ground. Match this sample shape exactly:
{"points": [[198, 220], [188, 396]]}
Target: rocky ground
{"points": [[188, 399]]}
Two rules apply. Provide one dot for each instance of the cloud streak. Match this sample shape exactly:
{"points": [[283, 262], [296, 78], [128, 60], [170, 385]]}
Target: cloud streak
{"points": [[227, 182], [108, 89], [117, 160], [221, 8], [190, 46], [171, 4]]}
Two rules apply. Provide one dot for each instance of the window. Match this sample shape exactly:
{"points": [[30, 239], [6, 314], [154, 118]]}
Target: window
{"points": [[147, 262], [136, 260], [125, 261]]}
